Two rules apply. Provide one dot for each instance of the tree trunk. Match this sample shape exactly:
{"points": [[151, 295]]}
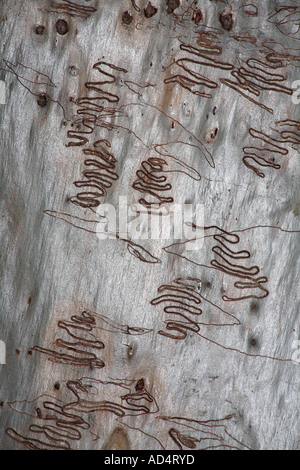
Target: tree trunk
{"points": [[121, 336]]}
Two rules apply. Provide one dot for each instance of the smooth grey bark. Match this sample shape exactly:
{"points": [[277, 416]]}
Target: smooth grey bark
{"points": [[207, 87]]}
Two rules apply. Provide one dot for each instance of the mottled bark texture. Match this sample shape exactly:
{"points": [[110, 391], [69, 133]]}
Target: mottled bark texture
{"points": [[128, 343]]}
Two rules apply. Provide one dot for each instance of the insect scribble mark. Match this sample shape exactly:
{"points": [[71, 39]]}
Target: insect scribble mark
{"points": [[152, 182], [60, 424], [137, 8], [199, 56], [256, 76], [225, 260], [171, 149], [182, 440], [183, 302], [91, 108], [182, 299], [190, 136], [73, 9], [99, 176], [135, 87], [108, 324], [132, 403], [83, 329], [79, 328], [142, 431], [33, 76], [93, 112], [55, 427], [141, 253], [264, 156], [289, 132], [249, 77]]}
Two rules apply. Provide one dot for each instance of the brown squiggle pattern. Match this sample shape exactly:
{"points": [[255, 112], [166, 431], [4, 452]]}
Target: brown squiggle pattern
{"points": [[137, 8], [82, 330], [165, 151], [131, 402], [152, 182], [91, 110], [61, 424], [264, 156], [289, 131], [92, 113], [79, 352], [55, 428], [199, 56], [226, 259], [99, 176], [58, 425], [257, 76], [73, 9], [182, 300]]}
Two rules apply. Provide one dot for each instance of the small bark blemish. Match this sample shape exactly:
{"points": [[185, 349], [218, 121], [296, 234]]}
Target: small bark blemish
{"points": [[150, 10], [43, 100], [62, 27], [127, 18], [56, 386], [226, 20], [140, 386], [253, 342], [197, 16], [172, 5], [39, 30]]}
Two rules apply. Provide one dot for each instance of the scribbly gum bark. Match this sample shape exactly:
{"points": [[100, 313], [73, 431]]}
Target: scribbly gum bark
{"points": [[125, 343]]}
